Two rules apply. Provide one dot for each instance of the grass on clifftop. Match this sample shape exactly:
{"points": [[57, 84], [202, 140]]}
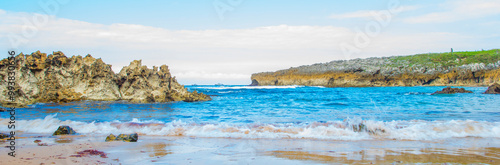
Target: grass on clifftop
{"points": [[448, 59]]}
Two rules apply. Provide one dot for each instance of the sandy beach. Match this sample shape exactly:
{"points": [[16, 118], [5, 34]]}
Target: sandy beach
{"points": [[191, 150]]}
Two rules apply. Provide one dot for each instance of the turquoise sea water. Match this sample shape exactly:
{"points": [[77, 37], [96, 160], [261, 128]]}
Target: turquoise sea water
{"points": [[283, 112]]}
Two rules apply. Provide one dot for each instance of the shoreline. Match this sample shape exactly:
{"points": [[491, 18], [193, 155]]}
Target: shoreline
{"points": [[193, 150]]}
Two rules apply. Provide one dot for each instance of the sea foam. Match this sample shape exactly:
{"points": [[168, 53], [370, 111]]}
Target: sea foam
{"points": [[333, 130]]}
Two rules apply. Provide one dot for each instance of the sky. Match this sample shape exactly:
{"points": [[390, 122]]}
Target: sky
{"points": [[225, 41]]}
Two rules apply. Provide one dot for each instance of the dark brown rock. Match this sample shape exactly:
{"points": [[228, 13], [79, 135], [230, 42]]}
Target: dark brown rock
{"points": [[3, 136], [254, 83], [449, 90], [64, 130], [493, 89], [123, 137]]}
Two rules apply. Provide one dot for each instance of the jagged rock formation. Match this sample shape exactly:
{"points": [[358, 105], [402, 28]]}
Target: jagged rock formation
{"points": [[385, 71], [56, 78], [449, 90], [493, 89], [137, 83]]}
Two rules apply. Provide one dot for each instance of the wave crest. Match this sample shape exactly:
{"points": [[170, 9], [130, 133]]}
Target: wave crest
{"points": [[333, 130]]}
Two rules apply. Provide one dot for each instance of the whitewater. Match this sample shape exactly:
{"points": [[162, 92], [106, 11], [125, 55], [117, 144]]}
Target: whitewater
{"points": [[281, 112]]}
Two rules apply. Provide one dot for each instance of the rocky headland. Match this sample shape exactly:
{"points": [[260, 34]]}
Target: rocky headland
{"points": [[56, 78], [479, 68]]}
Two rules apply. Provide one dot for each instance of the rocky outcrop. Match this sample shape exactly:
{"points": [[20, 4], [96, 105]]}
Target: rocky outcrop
{"points": [[385, 71], [64, 130], [449, 90], [137, 83], [361, 79], [123, 137], [57, 78], [3, 136], [493, 89]]}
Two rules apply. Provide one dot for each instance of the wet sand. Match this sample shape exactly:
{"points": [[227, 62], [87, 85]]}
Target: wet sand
{"points": [[54, 150], [192, 150]]}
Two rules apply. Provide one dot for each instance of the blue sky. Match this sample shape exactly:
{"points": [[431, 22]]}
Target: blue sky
{"points": [[205, 43]]}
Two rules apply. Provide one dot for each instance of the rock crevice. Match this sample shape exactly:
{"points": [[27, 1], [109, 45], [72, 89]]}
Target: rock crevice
{"points": [[57, 78]]}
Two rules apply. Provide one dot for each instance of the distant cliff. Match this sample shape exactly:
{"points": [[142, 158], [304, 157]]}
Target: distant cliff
{"points": [[57, 78], [478, 68]]}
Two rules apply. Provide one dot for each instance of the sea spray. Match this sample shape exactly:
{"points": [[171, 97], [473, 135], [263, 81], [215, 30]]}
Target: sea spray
{"points": [[331, 130]]}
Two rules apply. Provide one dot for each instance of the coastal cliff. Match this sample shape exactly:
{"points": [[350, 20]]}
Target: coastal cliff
{"points": [[480, 68], [57, 78]]}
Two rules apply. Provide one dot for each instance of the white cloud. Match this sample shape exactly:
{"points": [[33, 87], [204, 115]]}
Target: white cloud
{"points": [[207, 75], [357, 14], [460, 10], [367, 14], [228, 56]]}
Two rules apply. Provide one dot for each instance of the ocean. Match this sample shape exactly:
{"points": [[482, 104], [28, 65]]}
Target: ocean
{"points": [[395, 116], [282, 112]]}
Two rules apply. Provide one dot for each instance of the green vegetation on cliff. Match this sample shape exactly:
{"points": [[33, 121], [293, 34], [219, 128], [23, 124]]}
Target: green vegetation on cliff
{"points": [[476, 68], [448, 59]]}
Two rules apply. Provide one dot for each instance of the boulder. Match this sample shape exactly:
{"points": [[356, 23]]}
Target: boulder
{"points": [[111, 137], [449, 90], [123, 137], [493, 89], [64, 130], [3, 136]]}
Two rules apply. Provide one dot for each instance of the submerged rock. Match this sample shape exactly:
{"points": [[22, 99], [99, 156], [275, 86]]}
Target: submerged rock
{"points": [[449, 90], [493, 89], [57, 78], [64, 130], [362, 128], [123, 137], [359, 127]]}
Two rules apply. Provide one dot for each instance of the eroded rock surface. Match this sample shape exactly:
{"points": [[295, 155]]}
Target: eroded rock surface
{"points": [[57, 78], [123, 137], [493, 89], [64, 130], [376, 72]]}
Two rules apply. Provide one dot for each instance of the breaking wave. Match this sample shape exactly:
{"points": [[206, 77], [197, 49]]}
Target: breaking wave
{"points": [[349, 129]]}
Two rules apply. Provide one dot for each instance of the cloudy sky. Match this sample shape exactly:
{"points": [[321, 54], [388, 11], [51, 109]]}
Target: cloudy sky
{"points": [[212, 41]]}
